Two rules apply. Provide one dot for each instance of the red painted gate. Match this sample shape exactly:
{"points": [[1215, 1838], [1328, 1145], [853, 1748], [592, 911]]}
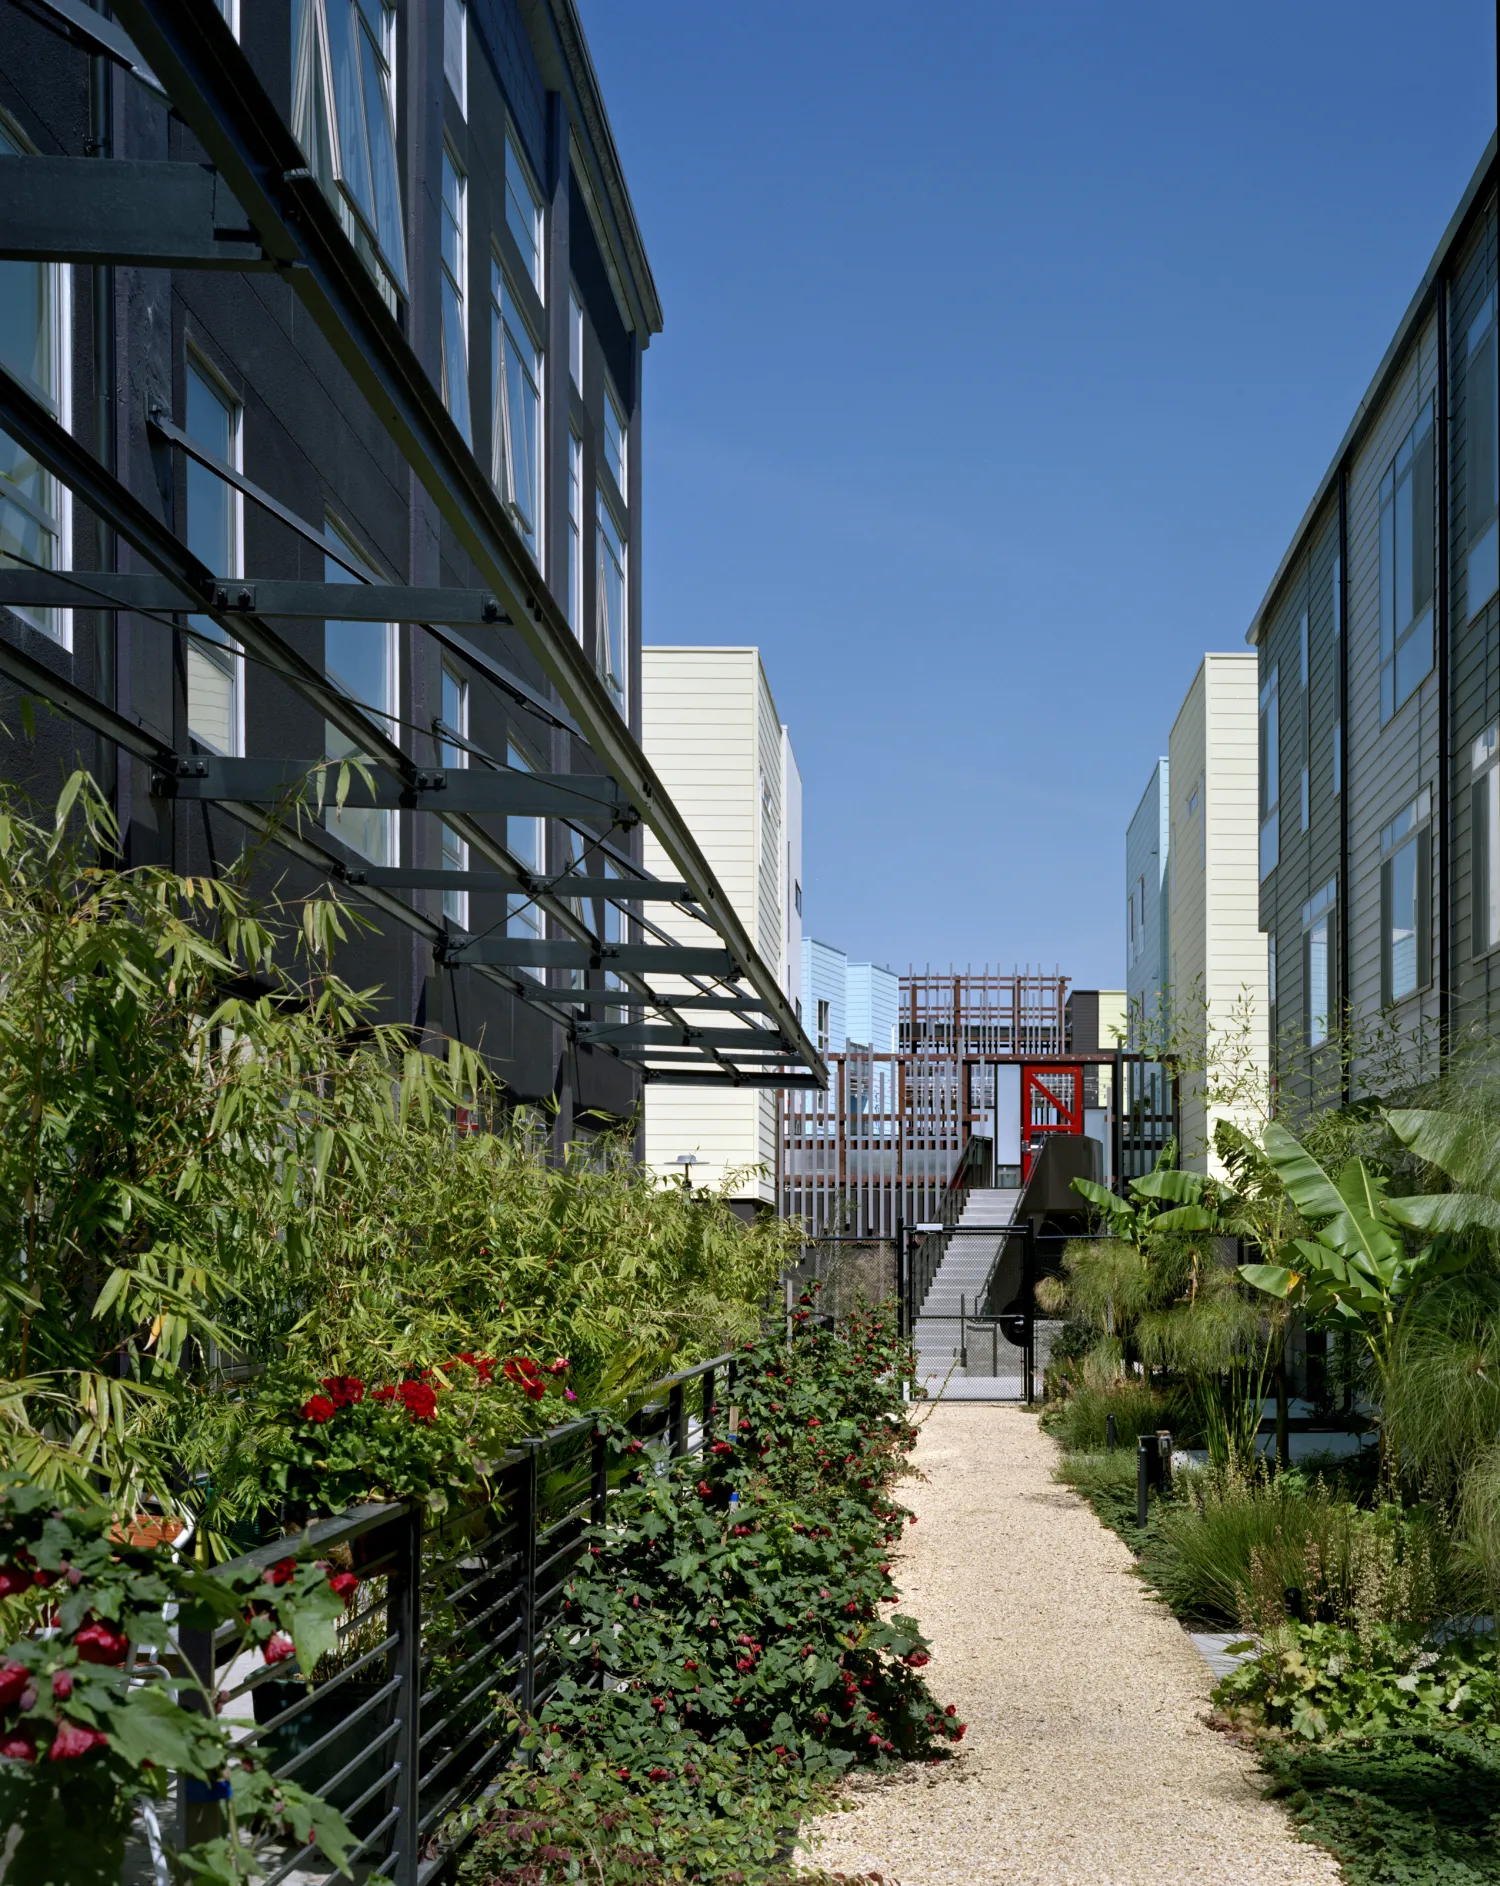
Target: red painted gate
{"points": [[1051, 1102]]}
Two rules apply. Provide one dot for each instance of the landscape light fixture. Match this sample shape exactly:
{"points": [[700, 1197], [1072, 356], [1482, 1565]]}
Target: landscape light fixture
{"points": [[687, 1161]]}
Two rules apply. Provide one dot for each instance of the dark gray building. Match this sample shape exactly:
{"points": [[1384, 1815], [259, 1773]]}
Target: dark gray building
{"points": [[341, 303], [1379, 646]]}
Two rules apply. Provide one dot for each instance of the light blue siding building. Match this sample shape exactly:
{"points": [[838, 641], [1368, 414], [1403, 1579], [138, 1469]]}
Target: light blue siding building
{"points": [[872, 1006], [825, 981]]}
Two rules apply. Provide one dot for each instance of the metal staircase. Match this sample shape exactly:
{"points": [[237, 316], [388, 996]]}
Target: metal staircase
{"points": [[957, 1286]]}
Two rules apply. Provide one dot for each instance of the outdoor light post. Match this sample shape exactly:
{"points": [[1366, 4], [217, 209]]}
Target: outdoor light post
{"points": [[687, 1161]]}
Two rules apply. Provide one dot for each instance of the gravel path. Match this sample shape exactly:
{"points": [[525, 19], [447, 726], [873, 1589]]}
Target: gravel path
{"points": [[1086, 1761]]}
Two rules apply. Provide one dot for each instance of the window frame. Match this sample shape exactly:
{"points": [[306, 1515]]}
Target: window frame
{"points": [[385, 820], [1484, 843], [451, 846], [1401, 477], [575, 534], [533, 251], [314, 82], [1319, 931], [1410, 830], [57, 522], [456, 53], [232, 664], [523, 915], [575, 340], [507, 313], [614, 443], [453, 287], [1482, 535], [608, 539]]}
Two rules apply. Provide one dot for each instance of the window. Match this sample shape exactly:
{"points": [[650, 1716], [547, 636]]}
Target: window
{"points": [[1192, 803], [231, 12], [455, 277], [455, 715], [824, 1025], [1132, 941], [34, 506], [575, 534], [1317, 960], [612, 647], [614, 442], [360, 658], [1270, 774], [344, 117], [523, 214], [575, 340], [456, 51], [797, 898], [612, 931], [1406, 902], [518, 413], [1406, 568], [525, 838], [1485, 841], [215, 667], [1481, 490]]}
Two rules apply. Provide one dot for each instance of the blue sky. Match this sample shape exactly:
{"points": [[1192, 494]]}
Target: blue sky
{"points": [[1005, 345]]}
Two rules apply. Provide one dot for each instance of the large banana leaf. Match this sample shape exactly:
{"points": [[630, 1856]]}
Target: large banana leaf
{"points": [[1353, 1206], [1437, 1212], [1308, 1186], [1180, 1188], [1468, 1150]]}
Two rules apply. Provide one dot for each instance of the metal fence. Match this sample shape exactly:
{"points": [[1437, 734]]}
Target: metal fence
{"points": [[408, 1720]]}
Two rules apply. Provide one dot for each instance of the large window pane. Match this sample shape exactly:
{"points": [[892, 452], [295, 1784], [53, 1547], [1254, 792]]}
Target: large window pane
{"points": [[1407, 553], [455, 714], [343, 113], [524, 839], [31, 500], [361, 658], [614, 442], [1317, 983], [455, 277], [575, 533], [1403, 920], [518, 414], [612, 649], [523, 214], [1481, 460], [213, 664]]}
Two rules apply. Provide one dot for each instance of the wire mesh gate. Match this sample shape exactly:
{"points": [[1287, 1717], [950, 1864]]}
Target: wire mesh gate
{"points": [[991, 1331]]}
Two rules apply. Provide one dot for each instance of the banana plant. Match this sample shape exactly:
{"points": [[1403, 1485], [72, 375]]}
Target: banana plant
{"points": [[1355, 1272], [1164, 1200]]}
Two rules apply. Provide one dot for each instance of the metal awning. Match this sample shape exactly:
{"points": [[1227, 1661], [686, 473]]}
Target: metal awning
{"points": [[257, 206]]}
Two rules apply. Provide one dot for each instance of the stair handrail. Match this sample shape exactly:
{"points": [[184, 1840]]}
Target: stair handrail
{"points": [[977, 1157]]}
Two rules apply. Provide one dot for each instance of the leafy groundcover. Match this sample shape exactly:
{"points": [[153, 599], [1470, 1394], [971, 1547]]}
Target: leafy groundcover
{"points": [[730, 1650]]}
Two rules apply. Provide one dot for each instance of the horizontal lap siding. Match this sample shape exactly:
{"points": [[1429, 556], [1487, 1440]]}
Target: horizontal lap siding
{"points": [[1235, 949], [1388, 765], [1307, 860], [1475, 652], [702, 716]]}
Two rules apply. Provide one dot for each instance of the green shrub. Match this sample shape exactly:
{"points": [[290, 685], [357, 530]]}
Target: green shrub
{"points": [[1314, 1681], [1079, 1424], [1400, 1810], [1234, 1542], [726, 1650], [1107, 1482]]}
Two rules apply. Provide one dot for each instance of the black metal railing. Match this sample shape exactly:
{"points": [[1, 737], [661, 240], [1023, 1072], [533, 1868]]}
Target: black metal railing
{"points": [[409, 1719]]}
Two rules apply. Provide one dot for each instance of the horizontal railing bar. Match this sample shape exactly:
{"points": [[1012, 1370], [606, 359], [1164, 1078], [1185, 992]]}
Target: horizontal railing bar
{"points": [[460, 1670], [440, 1644], [331, 1735], [462, 1591], [258, 1678], [457, 1788], [353, 1523], [463, 1702]]}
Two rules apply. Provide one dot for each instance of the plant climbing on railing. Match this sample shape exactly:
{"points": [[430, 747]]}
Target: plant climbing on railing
{"points": [[96, 1708]]}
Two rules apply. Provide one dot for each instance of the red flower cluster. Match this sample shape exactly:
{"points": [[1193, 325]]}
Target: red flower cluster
{"points": [[73, 1739], [318, 1409], [527, 1376], [483, 1366], [344, 1391], [419, 1401]]}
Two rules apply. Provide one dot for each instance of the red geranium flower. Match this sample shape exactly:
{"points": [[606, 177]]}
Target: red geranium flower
{"points": [[419, 1401], [73, 1739], [557, 1365], [318, 1408], [385, 1394], [281, 1573], [344, 1391], [527, 1377], [98, 1642], [344, 1585]]}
